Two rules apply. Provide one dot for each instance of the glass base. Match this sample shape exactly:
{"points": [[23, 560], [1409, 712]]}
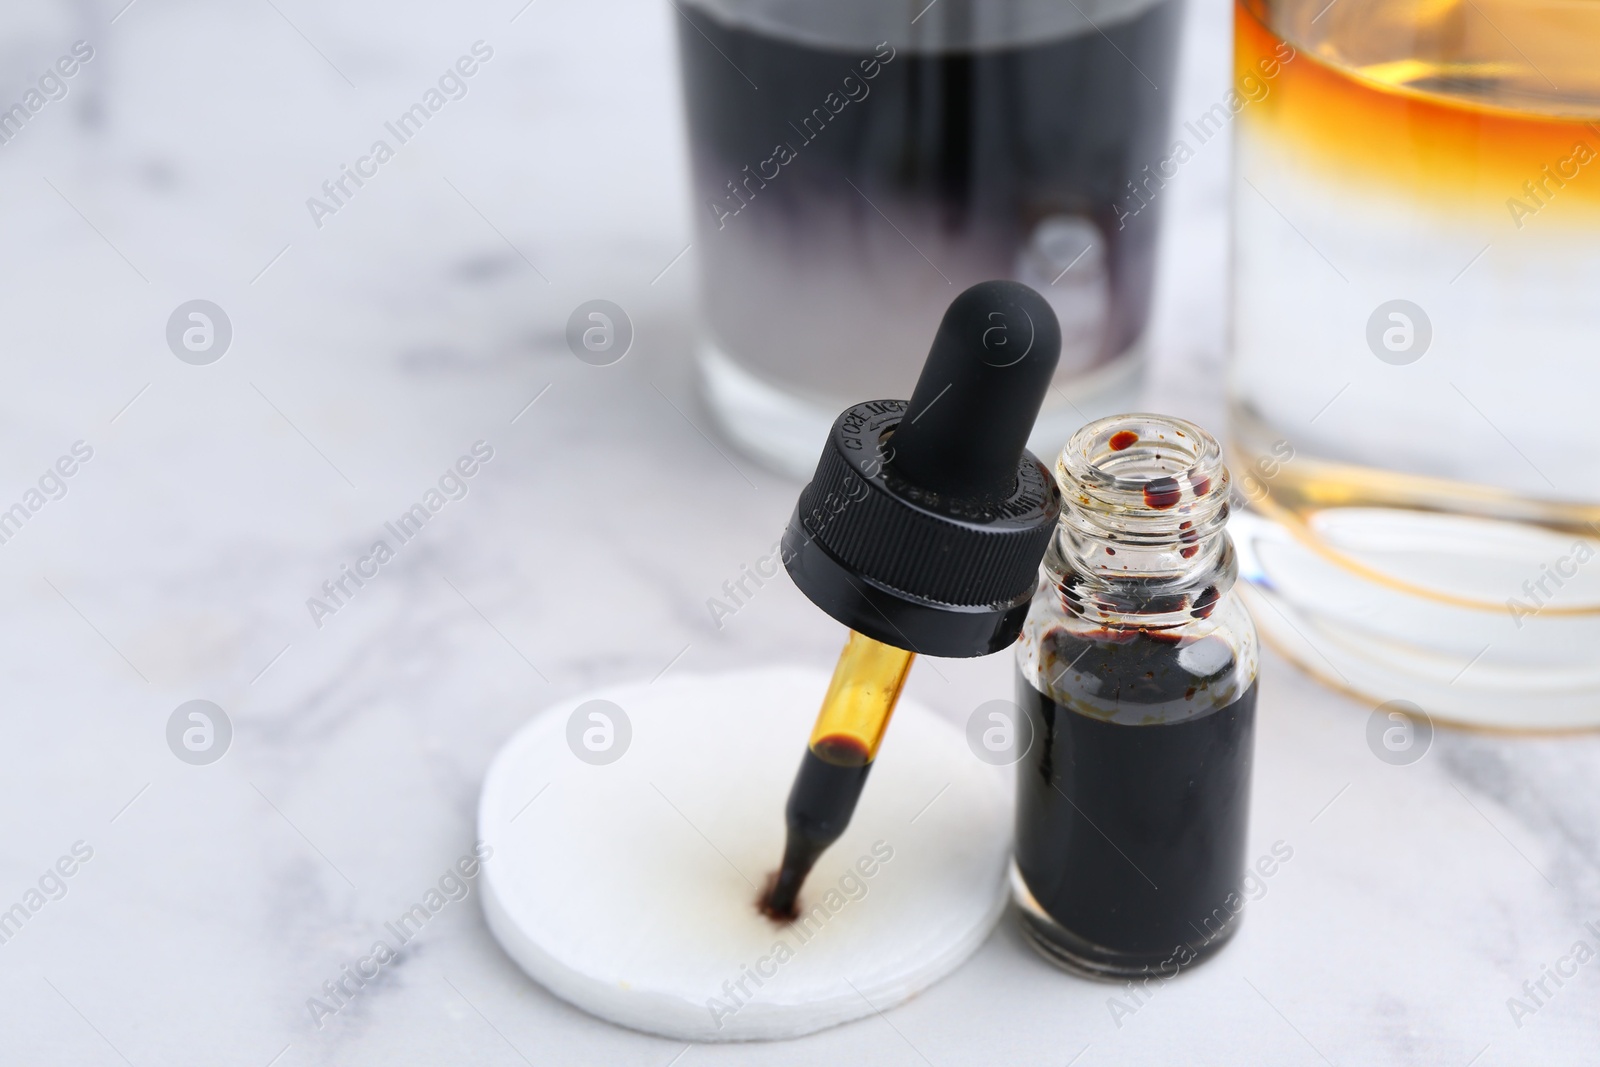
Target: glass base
{"points": [[784, 429], [1070, 952], [1479, 604], [1384, 639]]}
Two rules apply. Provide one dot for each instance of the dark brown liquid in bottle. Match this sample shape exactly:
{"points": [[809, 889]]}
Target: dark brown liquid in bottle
{"points": [[1133, 802]]}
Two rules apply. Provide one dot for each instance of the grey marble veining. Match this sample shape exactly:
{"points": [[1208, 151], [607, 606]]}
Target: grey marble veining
{"points": [[368, 355]]}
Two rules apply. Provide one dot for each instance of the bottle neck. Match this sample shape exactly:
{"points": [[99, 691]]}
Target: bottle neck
{"points": [[1142, 540]]}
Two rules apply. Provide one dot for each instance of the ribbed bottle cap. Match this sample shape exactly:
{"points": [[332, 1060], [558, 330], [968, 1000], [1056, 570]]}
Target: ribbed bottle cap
{"points": [[925, 522]]}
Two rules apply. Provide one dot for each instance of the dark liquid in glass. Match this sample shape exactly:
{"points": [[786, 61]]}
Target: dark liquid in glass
{"points": [[1133, 801], [830, 271]]}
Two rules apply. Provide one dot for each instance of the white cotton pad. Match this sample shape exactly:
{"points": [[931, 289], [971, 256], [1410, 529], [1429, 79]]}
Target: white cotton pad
{"points": [[629, 888]]}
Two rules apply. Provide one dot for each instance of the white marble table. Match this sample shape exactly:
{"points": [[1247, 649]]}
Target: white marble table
{"points": [[367, 355]]}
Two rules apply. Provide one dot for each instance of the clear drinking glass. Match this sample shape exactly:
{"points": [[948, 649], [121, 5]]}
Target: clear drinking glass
{"points": [[857, 165], [1415, 296]]}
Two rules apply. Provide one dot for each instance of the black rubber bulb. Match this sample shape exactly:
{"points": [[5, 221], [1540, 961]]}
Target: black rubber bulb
{"points": [[980, 391]]}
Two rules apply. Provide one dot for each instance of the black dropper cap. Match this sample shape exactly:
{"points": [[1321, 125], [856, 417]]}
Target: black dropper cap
{"points": [[925, 522]]}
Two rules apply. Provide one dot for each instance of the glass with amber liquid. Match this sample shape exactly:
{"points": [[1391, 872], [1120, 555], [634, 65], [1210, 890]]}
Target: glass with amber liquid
{"points": [[1416, 306]]}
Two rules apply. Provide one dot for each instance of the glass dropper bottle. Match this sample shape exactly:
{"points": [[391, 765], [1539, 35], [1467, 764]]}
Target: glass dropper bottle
{"points": [[921, 531], [1137, 673]]}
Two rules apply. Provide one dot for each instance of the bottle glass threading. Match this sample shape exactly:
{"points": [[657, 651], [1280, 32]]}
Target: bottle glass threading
{"points": [[1138, 677]]}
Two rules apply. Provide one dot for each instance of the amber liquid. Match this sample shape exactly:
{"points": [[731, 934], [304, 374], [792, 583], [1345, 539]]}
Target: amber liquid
{"points": [[1431, 97], [1445, 154]]}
